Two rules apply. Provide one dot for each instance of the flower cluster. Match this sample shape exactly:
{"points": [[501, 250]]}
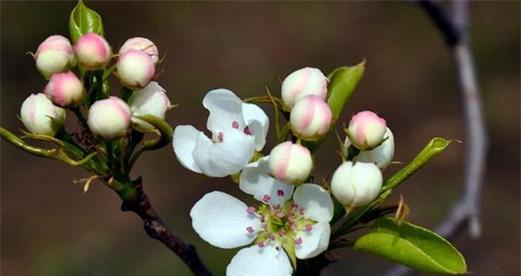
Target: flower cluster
{"points": [[69, 66]]}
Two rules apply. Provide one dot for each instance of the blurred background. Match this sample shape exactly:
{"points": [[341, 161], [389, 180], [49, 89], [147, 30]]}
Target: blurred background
{"points": [[50, 227]]}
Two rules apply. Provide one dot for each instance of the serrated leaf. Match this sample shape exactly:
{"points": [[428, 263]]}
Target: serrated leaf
{"points": [[83, 20], [342, 84], [413, 246]]}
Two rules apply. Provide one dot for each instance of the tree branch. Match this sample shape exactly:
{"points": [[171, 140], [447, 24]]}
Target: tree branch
{"points": [[466, 211]]}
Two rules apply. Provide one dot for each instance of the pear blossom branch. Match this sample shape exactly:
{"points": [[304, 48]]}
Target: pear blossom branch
{"points": [[466, 211]]}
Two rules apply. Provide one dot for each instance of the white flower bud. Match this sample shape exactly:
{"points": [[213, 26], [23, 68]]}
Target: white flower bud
{"points": [[64, 89], [109, 118], [366, 130], [290, 163], [41, 116], [54, 55], [142, 44], [381, 155], [301, 83], [151, 100], [310, 118], [135, 69], [92, 51], [355, 185]]}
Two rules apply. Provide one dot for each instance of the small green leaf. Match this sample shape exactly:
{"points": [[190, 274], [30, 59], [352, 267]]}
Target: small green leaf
{"points": [[413, 246], [84, 20], [342, 84]]}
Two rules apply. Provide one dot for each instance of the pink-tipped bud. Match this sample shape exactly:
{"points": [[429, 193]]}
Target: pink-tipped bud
{"points": [[356, 184], [382, 155], [303, 82], [54, 55], [142, 44], [109, 118], [41, 116], [290, 163], [135, 69], [64, 89], [92, 51], [310, 118], [151, 100], [366, 130]]}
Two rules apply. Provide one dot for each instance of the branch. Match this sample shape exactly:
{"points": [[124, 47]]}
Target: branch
{"points": [[466, 212]]}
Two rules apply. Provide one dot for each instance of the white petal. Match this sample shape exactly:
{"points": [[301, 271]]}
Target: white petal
{"points": [[316, 201], [202, 158], [257, 261], [258, 123], [184, 142], [232, 154], [256, 181], [381, 155], [223, 221], [314, 242], [225, 108]]}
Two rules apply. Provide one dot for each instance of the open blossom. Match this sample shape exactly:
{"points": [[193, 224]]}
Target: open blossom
{"points": [[291, 163], [109, 118], [310, 118], [298, 222], [92, 51], [302, 83], [54, 55], [366, 130], [382, 155], [40, 116], [142, 44], [356, 184], [238, 129], [65, 89], [135, 68], [151, 100]]}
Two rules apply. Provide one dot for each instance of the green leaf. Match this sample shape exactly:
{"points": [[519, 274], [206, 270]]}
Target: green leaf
{"points": [[413, 246], [342, 84], [84, 20]]}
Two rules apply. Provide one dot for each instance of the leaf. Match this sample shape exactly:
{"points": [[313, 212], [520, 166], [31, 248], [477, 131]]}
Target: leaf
{"points": [[84, 20], [342, 84], [413, 246]]}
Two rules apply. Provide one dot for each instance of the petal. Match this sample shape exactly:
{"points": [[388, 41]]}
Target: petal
{"points": [[232, 154], [225, 108], [256, 181], [184, 143], [314, 242], [257, 261], [257, 122], [316, 201], [201, 156], [223, 221]]}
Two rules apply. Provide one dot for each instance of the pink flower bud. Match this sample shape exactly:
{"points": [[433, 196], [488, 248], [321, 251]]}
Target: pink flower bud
{"points": [[109, 118], [54, 55], [41, 116], [65, 89], [382, 155], [310, 118], [290, 163], [151, 100], [142, 44], [92, 51], [135, 69], [356, 184], [303, 82], [366, 130]]}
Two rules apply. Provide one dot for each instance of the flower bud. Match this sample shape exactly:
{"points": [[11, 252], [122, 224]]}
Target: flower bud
{"points": [[92, 51], [301, 83], [54, 55], [135, 69], [290, 163], [366, 130], [109, 118], [310, 118], [142, 44], [355, 185], [382, 155], [41, 116], [64, 89], [151, 100]]}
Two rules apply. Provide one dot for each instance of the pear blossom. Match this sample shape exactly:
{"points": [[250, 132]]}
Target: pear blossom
{"points": [[366, 130], [290, 162], [92, 51], [54, 55], [135, 68], [382, 155], [356, 184], [238, 130], [109, 118], [151, 100], [302, 83], [142, 44], [40, 116], [65, 89], [310, 118], [297, 222]]}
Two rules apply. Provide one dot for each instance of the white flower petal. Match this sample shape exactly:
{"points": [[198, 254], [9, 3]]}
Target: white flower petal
{"points": [[316, 201], [184, 142], [257, 122], [225, 109], [257, 261], [314, 242], [232, 154], [256, 181], [223, 221]]}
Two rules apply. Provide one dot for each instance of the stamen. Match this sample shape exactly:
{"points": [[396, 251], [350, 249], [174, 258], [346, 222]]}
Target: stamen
{"points": [[280, 192], [220, 136], [235, 124], [271, 237], [309, 227], [277, 206], [301, 211], [260, 244], [266, 198], [250, 229], [247, 131], [282, 232], [298, 241], [251, 210]]}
